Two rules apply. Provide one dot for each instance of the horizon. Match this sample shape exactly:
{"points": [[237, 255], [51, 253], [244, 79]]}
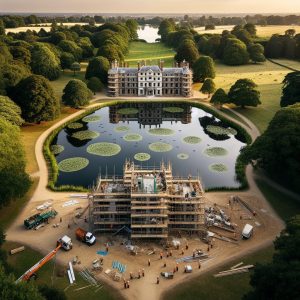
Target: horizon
{"points": [[170, 7]]}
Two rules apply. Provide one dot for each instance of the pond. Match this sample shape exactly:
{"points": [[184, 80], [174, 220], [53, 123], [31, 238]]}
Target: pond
{"points": [[194, 141], [148, 33]]}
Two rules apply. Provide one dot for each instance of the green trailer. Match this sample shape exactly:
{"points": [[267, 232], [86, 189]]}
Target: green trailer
{"points": [[39, 218]]}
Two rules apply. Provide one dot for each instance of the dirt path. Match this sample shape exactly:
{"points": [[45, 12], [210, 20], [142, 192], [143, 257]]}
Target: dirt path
{"points": [[146, 288]]}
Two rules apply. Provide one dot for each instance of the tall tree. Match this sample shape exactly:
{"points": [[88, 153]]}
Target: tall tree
{"points": [[251, 28], [243, 93], [291, 89], [76, 93], [277, 149], [98, 67], [10, 111], [203, 68], [219, 98], [14, 180], [208, 87], [187, 51], [235, 53], [95, 85], [36, 98], [256, 53], [132, 25]]}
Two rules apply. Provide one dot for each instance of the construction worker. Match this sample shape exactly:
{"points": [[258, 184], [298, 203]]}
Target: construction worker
{"points": [[167, 254], [157, 280], [131, 277], [174, 270], [125, 284], [139, 274], [149, 262], [186, 246], [199, 264], [176, 267], [165, 264], [161, 255], [182, 251], [128, 284], [143, 272]]}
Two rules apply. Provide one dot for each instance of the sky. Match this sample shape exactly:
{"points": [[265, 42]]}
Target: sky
{"points": [[152, 6]]}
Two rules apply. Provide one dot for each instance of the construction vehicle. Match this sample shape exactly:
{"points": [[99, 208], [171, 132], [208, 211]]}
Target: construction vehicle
{"points": [[64, 242], [247, 231], [37, 219], [85, 236]]}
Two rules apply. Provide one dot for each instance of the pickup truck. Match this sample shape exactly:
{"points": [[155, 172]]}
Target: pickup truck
{"points": [[85, 236]]}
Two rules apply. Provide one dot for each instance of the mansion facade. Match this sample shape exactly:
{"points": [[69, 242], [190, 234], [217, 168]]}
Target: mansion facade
{"points": [[156, 81]]}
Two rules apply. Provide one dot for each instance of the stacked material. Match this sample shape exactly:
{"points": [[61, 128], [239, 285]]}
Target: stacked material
{"points": [[237, 269], [120, 267]]}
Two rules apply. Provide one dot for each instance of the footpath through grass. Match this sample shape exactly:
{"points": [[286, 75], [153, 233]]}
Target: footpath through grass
{"points": [[54, 275], [208, 287], [151, 52]]}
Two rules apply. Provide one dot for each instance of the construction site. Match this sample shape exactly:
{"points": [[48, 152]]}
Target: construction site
{"points": [[143, 233]]}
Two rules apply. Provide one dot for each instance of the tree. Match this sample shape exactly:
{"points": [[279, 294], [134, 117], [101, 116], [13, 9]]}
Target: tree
{"points": [[243, 93], [14, 180], [36, 98], [187, 51], [256, 53], [277, 149], [111, 52], [21, 53], [44, 62], [274, 47], [280, 278], [10, 111], [235, 53], [50, 293], [57, 37], [10, 290], [290, 32], [251, 28], [2, 28], [203, 68], [132, 25], [76, 93], [219, 98], [98, 67], [95, 85], [75, 67], [66, 60], [71, 47], [208, 87], [290, 89], [165, 27]]}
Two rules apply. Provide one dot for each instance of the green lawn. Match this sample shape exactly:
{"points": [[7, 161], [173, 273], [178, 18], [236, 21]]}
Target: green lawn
{"points": [[224, 288], [284, 205], [267, 76], [151, 52], [48, 275]]}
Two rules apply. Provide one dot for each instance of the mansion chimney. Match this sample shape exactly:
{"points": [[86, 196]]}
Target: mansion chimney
{"points": [[139, 66]]}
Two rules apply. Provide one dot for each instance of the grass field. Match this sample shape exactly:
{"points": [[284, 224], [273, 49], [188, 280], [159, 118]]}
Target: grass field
{"points": [[151, 52], [262, 31], [48, 274], [224, 288], [267, 76]]}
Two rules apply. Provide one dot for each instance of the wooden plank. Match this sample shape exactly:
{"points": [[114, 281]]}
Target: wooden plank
{"points": [[17, 250], [233, 272], [241, 268], [237, 265]]}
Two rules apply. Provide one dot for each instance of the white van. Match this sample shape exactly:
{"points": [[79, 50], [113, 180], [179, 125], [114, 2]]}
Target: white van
{"points": [[247, 231]]}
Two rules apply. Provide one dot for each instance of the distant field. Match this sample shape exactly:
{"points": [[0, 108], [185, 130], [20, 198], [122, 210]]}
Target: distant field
{"points": [[262, 31], [267, 76], [151, 52]]}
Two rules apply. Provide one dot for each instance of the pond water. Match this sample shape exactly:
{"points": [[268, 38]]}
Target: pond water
{"points": [[186, 130], [148, 33]]}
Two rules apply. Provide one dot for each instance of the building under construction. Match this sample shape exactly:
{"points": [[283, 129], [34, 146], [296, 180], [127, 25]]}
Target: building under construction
{"points": [[147, 202]]}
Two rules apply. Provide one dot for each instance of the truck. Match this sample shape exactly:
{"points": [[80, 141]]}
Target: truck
{"points": [[247, 231], [64, 242], [85, 236], [37, 219]]}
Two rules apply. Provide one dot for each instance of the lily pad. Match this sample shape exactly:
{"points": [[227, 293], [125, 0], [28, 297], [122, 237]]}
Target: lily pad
{"points": [[56, 149], [121, 128], [142, 156], [215, 151], [127, 111], [218, 130], [132, 137], [161, 131], [192, 140], [73, 164], [173, 109], [160, 147], [104, 149], [75, 125], [183, 156], [85, 135], [89, 119], [218, 168]]}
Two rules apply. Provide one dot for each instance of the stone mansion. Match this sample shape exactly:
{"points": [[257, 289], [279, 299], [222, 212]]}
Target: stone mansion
{"points": [[147, 80]]}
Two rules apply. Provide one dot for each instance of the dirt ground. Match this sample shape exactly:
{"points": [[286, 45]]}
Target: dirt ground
{"points": [[266, 224]]}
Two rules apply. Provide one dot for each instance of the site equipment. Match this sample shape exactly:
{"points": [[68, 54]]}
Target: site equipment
{"points": [[64, 242], [247, 231], [39, 218], [85, 236]]}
